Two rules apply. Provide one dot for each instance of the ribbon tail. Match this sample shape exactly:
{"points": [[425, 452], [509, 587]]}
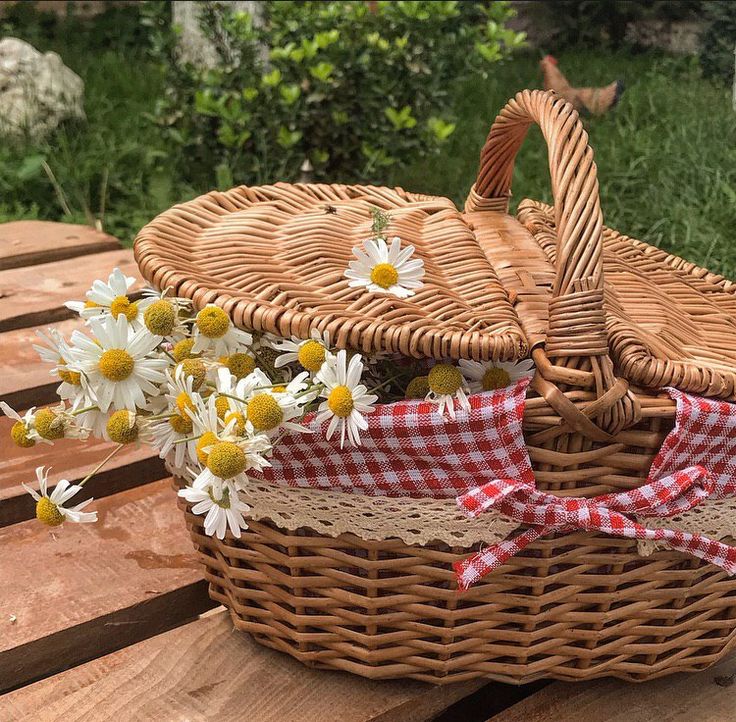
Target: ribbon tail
{"points": [[468, 571]]}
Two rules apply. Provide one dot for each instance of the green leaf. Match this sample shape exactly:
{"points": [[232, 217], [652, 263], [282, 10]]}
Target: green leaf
{"points": [[205, 103], [272, 79], [250, 94], [401, 119], [290, 93], [439, 129], [223, 176], [322, 71], [288, 138], [30, 167]]}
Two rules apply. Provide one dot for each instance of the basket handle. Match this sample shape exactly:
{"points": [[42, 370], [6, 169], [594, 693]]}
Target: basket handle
{"points": [[575, 351]]}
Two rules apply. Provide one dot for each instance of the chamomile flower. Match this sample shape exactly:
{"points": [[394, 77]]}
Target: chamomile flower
{"points": [[119, 367], [310, 354], [174, 434], [381, 268], [446, 385], [22, 431], [492, 375], [213, 330], [111, 299], [50, 508], [220, 504], [346, 399]]}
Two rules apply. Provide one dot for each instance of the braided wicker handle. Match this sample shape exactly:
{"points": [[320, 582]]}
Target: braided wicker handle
{"points": [[576, 348]]}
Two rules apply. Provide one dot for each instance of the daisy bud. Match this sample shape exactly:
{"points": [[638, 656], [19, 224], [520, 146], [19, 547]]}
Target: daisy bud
{"points": [[19, 434], [418, 387], [206, 440], [311, 355], [195, 368], [160, 317], [264, 412], [444, 379], [183, 349], [122, 427], [226, 460], [213, 322], [48, 425], [240, 364], [48, 513]]}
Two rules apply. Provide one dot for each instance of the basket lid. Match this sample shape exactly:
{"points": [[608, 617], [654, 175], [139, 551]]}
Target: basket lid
{"points": [[274, 258]]}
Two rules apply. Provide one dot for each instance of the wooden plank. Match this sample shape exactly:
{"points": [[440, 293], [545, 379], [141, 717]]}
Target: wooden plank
{"points": [[708, 696], [26, 243], [207, 671], [70, 459], [36, 294], [25, 380], [84, 590]]}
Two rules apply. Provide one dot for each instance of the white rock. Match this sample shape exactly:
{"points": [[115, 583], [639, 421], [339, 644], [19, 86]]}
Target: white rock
{"points": [[37, 91]]}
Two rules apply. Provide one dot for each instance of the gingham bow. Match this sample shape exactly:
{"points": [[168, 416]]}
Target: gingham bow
{"points": [[546, 513]]}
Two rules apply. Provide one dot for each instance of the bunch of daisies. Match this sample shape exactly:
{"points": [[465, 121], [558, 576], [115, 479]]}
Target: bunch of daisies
{"points": [[215, 400]]}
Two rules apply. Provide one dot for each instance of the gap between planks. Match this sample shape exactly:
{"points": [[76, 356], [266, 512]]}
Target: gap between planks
{"points": [[205, 670]]}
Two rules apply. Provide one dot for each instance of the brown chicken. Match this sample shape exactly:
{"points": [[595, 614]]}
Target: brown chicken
{"points": [[587, 101]]}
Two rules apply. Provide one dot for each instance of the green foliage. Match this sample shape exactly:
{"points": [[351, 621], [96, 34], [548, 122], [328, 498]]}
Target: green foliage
{"points": [[352, 91], [718, 39], [604, 22]]}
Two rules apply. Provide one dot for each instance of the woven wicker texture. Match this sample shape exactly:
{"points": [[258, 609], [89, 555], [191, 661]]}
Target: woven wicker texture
{"points": [[604, 316], [274, 258]]}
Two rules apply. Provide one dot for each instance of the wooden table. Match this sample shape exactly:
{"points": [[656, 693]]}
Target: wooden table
{"points": [[113, 621]]}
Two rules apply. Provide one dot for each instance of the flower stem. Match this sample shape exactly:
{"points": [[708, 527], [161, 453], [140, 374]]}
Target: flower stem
{"points": [[101, 464]]}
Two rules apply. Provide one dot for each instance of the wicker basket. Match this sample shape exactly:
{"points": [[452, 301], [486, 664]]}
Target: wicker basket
{"points": [[571, 606]]}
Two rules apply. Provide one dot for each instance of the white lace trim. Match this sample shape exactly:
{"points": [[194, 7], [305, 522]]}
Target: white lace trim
{"points": [[423, 521]]}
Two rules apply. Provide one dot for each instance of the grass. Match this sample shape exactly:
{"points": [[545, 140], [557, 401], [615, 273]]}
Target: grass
{"points": [[666, 156]]}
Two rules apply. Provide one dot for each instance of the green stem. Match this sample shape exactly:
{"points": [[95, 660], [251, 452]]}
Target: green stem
{"points": [[101, 464]]}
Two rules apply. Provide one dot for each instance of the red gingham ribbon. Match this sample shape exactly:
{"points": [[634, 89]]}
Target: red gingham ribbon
{"points": [[704, 432]]}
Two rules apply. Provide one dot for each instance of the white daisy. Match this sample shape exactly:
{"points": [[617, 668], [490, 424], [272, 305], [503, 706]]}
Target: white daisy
{"points": [[221, 506], [446, 385], [309, 353], [346, 399], [492, 375], [386, 269], [214, 330], [173, 439], [50, 507], [111, 299], [119, 367]]}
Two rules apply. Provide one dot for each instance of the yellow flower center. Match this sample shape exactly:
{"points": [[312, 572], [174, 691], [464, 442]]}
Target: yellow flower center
{"points": [[264, 412], [239, 422], [240, 364], [160, 317], [48, 513], [222, 406], [122, 304], [224, 501], [418, 387], [183, 349], [19, 435], [384, 275], [226, 460], [122, 427], [116, 364], [444, 379], [91, 304], [48, 425], [279, 389], [207, 439], [340, 401], [181, 424], [71, 377], [495, 378], [213, 322], [195, 368], [311, 355], [184, 402]]}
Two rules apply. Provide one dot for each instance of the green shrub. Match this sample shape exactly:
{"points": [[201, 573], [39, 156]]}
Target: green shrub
{"points": [[355, 92], [718, 40]]}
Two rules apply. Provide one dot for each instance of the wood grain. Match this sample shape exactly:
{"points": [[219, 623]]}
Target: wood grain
{"points": [[708, 696], [80, 591], [36, 294], [25, 380], [205, 670], [26, 243]]}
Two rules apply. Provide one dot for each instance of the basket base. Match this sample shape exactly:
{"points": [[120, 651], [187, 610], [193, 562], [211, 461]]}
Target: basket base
{"points": [[571, 607]]}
